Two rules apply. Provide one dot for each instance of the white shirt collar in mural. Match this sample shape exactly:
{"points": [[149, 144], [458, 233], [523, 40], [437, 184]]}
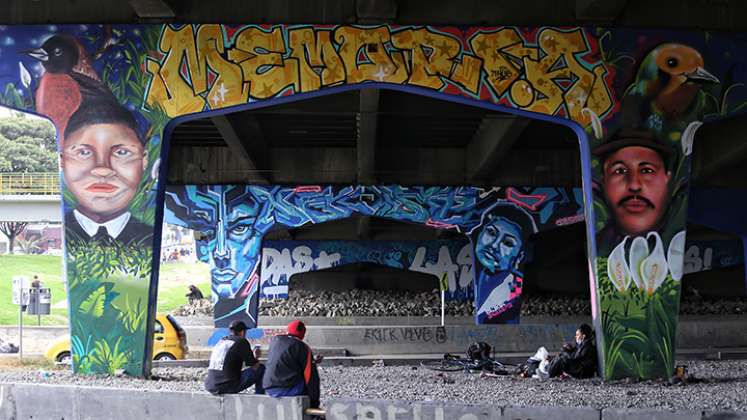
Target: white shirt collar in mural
{"points": [[113, 227]]}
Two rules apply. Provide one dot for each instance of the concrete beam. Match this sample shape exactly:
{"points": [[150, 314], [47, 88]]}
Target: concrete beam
{"points": [[152, 9], [367, 131], [30, 208], [364, 227], [599, 10], [493, 139], [376, 11], [236, 146], [719, 145]]}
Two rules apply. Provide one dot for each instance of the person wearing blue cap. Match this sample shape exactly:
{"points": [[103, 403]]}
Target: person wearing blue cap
{"points": [[225, 375]]}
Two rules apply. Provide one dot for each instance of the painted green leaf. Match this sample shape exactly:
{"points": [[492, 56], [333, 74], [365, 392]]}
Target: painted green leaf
{"points": [[94, 303]]}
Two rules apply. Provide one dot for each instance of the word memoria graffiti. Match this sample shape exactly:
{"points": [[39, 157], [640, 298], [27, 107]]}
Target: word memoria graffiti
{"points": [[551, 71]]}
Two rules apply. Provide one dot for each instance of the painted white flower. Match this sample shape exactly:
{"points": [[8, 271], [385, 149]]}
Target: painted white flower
{"points": [[155, 169], [25, 75], [596, 123], [638, 252], [617, 267], [675, 255], [688, 136], [654, 267]]}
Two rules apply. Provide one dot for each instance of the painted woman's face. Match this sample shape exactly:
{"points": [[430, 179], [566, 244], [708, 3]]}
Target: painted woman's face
{"points": [[499, 245], [102, 165]]}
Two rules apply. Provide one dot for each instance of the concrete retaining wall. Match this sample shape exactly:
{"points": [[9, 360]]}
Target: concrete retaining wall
{"points": [[401, 410], [693, 333], [32, 401], [412, 337], [40, 401]]}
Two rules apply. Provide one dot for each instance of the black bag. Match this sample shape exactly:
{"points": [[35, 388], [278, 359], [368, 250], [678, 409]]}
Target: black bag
{"points": [[479, 350], [528, 368]]}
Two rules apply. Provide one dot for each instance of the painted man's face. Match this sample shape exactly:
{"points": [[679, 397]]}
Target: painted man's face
{"points": [[102, 165], [499, 245], [636, 187], [232, 242]]}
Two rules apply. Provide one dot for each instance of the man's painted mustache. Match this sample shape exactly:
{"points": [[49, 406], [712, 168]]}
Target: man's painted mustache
{"points": [[638, 197]]}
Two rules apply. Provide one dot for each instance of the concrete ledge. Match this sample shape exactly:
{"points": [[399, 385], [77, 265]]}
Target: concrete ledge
{"points": [[556, 413], [21, 401], [343, 409], [649, 414], [42, 401]]}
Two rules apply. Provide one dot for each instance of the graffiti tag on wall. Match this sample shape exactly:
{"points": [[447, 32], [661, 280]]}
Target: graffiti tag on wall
{"points": [[283, 259], [549, 71], [234, 218]]}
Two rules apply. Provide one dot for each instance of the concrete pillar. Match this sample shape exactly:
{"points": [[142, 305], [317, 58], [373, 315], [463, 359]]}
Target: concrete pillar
{"points": [[640, 211], [499, 249]]}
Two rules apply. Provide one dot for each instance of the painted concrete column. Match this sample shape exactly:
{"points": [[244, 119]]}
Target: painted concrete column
{"points": [[641, 168], [499, 249]]}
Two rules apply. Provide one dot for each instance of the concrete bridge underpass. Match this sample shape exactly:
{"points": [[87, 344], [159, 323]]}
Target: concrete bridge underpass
{"points": [[30, 197]]}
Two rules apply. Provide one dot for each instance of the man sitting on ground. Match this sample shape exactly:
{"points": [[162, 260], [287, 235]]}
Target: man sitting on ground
{"points": [[579, 360], [291, 368], [224, 372]]}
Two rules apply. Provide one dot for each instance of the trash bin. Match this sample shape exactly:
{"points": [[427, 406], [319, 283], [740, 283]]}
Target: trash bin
{"points": [[39, 301]]}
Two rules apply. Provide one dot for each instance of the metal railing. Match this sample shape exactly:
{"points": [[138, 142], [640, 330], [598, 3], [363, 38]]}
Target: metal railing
{"points": [[17, 183]]}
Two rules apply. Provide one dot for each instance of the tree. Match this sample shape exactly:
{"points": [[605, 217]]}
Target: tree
{"points": [[11, 230], [27, 145]]}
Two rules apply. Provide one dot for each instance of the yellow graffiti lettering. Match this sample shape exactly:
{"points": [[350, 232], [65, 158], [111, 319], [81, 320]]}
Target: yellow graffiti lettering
{"points": [[228, 88], [260, 55], [467, 73], [497, 49], [318, 62], [199, 69], [168, 88], [558, 78], [431, 55], [368, 44]]}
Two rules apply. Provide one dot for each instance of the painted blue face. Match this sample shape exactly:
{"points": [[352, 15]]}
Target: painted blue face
{"points": [[499, 245], [232, 237]]}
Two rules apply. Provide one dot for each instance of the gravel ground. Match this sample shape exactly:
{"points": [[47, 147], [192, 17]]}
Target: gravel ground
{"points": [[718, 385]]}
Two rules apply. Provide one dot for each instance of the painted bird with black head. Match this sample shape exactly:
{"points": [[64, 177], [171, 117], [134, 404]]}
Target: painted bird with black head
{"points": [[68, 80]]}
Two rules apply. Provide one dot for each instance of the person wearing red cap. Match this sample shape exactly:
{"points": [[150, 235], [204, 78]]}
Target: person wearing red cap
{"points": [[224, 372], [291, 367]]}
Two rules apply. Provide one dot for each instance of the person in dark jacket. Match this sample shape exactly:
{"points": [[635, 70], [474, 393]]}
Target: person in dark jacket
{"points": [[291, 367], [194, 293], [579, 360], [224, 372]]}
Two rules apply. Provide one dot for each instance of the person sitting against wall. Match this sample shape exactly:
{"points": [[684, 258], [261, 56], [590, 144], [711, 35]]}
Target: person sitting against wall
{"points": [[577, 360], [229, 355], [291, 367]]}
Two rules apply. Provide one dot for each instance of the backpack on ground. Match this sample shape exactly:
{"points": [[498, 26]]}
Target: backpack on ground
{"points": [[479, 350]]}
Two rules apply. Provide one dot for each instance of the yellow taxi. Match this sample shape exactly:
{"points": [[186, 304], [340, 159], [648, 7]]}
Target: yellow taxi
{"points": [[169, 342]]}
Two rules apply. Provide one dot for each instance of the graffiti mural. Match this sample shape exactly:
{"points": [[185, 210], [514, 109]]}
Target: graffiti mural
{"points": [[711, 255], [451, 260], [109, 149], [642, 165], [233, 219], [640, 95], [550, 71]]}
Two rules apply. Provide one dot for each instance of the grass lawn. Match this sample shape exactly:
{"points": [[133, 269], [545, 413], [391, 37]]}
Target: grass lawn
{"points": [[174, 279], [49, 270]]}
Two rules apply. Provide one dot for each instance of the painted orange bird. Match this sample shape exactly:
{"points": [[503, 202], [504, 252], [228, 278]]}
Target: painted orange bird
{"points": [[68, 80], [667, 94]]}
